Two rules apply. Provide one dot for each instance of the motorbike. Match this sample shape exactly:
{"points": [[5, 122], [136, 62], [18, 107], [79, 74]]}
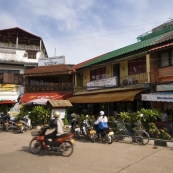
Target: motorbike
{"points": [[75, 129], [26, 121], [18, 125], [107, 135], [88, 131], [62, 144]]}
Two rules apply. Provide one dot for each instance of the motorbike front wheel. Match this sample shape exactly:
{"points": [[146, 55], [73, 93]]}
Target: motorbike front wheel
{"points": [[35, 146], [109, 139], [66, 148]]}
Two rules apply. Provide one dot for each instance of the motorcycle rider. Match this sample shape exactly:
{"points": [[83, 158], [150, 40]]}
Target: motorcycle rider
{"points": [[56, 123], [101, 123]]}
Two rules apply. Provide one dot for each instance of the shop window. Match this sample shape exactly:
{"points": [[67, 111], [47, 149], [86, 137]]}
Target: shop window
{"points": [[137, 66], [97, 74]]}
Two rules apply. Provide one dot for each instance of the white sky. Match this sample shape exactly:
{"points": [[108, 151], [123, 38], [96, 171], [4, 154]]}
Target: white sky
{"points": [[83, 29]]}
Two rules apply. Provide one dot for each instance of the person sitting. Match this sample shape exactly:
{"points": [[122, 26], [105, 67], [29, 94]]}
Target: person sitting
{"points": [[56, 123], [101, 123]]}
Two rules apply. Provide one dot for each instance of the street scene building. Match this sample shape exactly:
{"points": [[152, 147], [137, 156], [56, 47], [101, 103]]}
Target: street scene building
{"points": [[19, 51], [114, 81]]}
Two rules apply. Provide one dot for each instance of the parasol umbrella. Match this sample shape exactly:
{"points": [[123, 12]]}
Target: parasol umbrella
{"points": [[40, 101]]}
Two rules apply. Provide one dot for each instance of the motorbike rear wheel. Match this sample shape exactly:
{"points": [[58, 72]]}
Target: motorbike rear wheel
{"points": [[9, 128], [35, 146], [93, 138], [66, 148]]}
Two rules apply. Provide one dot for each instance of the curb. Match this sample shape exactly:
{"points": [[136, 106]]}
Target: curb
{"points": [[159, 142]]}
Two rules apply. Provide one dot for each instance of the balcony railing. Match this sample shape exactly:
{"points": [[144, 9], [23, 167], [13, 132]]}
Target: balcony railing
{"points": [[125, 81], [20, 46], [49, 87]]}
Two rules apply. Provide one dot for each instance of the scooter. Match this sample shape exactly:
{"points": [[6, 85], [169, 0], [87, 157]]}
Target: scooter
{"points": [[107, 135], [88, 131], [62, 144]]}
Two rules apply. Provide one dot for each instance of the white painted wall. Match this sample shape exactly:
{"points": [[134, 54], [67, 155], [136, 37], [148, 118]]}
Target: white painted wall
{"points": [[18, 56]]}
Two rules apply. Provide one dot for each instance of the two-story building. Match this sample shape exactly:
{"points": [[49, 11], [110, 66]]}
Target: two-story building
{"points": [[53, 82], [19, 51], [114, 81]]}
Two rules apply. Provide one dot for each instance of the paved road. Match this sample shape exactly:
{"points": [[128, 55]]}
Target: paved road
{"points": [[88, 157]]}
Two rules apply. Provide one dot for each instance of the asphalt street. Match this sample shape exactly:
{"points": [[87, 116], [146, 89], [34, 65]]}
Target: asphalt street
{"points": [[125, 157]]}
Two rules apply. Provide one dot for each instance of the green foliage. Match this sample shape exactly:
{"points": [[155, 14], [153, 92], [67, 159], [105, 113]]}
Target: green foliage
{"points": [[65, 121], [39, 115], [154, 132]]}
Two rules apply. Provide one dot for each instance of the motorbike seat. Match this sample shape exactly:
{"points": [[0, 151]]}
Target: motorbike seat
{"points": [[105, 129], [63, 135]]}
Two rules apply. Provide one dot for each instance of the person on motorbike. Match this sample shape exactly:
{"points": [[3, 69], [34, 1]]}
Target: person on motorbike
{"points": [[74, 122], [56, 123], [101, 123]]}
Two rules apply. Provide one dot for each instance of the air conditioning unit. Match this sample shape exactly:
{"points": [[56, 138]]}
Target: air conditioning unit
{"points": [[128, 81]]}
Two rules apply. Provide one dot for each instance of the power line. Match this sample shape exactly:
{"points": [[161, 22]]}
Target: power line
{"points": [[104, 30], [94, 37]]}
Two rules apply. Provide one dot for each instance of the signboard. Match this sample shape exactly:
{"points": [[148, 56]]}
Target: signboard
{"points": [[51, 61], [61, 111], [158, 97], [98, 84]]}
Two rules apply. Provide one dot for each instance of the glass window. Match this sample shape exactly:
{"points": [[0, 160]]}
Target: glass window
{"points": [[164, 61], [97, 74], [136, 66], [31, 55], [142, 65], [132, 67], [103, 73], [92, 75]]}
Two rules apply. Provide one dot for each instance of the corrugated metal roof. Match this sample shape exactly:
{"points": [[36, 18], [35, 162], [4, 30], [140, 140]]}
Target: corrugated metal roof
{"points": [[161, 47], [133, 47], [124, 50], [60, 103]]}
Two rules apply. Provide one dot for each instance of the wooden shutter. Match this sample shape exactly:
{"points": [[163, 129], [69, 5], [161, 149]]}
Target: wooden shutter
{"points": [[5, 78], [21, 79]]}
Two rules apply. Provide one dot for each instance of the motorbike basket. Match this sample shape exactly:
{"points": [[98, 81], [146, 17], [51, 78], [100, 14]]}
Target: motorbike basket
{"points": [[35, 133]]}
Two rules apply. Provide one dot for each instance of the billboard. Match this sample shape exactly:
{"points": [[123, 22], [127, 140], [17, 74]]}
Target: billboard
{"points": [[51, 61]]}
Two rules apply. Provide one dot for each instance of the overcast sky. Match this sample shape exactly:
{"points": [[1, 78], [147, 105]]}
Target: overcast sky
{"points": [[83, 29]]}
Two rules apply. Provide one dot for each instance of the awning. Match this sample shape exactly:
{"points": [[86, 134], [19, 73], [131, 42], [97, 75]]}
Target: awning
{"points": [[158, 96], [7, 102], [46, 95], [106, 97], [60, 103]]}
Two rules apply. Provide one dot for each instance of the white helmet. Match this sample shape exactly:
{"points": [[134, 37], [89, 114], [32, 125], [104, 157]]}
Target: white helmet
{"points": [[56, 114], [73, 115], [101, 113]]}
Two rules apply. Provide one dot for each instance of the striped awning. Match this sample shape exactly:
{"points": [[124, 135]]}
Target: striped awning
{"points": [[158, 96]]}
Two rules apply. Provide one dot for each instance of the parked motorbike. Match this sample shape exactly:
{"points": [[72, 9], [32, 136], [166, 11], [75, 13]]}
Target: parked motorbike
{"points": [[26, 121], [18, 125], [107, 135], [88, 131], [62, 144], [4, 122], [75, 129]]}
